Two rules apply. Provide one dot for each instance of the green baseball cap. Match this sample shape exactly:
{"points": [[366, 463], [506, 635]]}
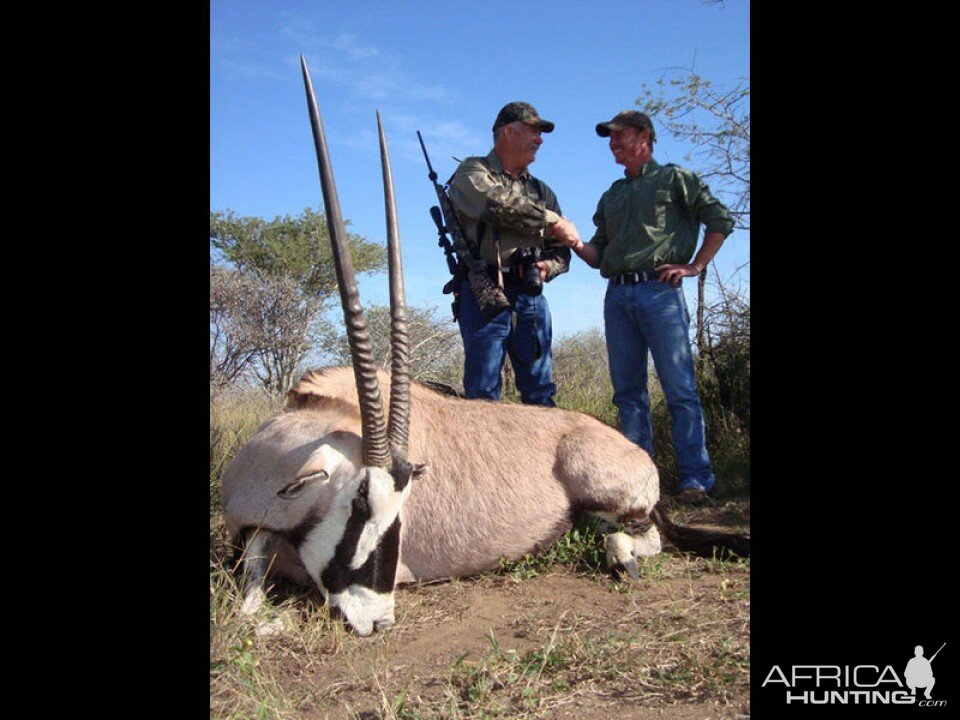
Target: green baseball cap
{"points": [[524, 112], [626, 118]]}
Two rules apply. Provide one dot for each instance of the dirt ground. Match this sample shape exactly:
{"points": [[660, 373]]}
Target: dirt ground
{"points": [[562, 641]]}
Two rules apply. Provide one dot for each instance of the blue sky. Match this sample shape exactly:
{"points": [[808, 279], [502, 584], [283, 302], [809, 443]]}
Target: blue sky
{"points": [[446, 68]]}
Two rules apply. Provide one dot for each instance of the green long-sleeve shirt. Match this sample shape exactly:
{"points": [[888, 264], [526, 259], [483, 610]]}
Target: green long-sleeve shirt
{"points": [[654, 218]]}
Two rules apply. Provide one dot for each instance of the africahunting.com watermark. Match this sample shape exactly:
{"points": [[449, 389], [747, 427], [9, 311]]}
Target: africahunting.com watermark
{"points": [[858, 684]]}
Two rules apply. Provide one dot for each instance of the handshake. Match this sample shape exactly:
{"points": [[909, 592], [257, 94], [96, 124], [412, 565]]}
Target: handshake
{"points": [[565, 233]]}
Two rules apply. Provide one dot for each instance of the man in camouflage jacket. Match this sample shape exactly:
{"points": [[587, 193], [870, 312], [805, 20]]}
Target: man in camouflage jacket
{"points": [[505, 214]]}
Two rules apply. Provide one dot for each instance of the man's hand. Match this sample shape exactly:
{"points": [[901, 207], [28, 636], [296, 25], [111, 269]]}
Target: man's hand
{"points": [[674, 273], [565, 233]]}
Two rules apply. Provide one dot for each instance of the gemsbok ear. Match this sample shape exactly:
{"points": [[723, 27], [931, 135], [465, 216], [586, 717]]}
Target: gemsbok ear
{"points": [[292, 490], [295, 488], [419, 469], [297, 399]]}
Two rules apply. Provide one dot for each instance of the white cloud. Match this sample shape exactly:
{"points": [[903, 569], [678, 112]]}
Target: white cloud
{"points": [[442, 138], [364, 69], [353, 47], [240, 59], [370, 74], [361, 140]]}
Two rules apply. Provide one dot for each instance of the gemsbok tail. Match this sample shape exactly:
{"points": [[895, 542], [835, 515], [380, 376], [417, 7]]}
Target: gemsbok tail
{"points": [[706, 543]]}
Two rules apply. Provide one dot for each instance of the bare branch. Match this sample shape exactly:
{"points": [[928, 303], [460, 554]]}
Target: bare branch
{"points": [[716, 122], [436, 352]]}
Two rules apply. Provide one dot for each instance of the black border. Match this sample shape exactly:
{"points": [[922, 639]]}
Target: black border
{"points": [[851, 467]]}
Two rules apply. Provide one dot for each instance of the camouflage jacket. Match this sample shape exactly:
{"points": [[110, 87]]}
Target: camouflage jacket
{"points": [[491, 204]]}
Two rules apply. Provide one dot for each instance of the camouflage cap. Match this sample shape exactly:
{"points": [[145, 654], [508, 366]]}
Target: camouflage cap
{"points": [[626, 118], [524, 112]]}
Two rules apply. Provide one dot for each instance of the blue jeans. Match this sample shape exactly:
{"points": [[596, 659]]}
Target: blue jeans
{"points": [[528, 341], [653, 316]]}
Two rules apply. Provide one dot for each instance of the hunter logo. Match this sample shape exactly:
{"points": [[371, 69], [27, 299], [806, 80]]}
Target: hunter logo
{"points": [[919, 673], [858, 684]]}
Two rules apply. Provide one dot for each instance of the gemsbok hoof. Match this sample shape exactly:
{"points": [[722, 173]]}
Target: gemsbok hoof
{"points": [[620, 554], [623, 550]]}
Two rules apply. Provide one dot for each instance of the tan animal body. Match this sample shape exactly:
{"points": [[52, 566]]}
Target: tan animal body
{"points": [[501, 480], [329, 493]]}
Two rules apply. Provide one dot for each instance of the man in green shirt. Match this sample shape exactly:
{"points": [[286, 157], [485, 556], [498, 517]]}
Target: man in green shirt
{"points": [[647, 227]]}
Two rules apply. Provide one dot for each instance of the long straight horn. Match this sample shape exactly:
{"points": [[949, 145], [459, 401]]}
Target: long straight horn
{"points": [[399, 423], [375, 449]]}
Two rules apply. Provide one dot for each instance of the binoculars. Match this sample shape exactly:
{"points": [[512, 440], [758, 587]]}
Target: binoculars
{"points": [[526, 261]]}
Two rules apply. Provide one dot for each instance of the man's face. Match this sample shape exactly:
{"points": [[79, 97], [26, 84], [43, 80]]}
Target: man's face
{"points": [[627, 145], [526, 140]]}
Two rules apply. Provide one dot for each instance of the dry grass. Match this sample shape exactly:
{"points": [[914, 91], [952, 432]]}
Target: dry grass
{"points": [[563, 639], [678, 649]]}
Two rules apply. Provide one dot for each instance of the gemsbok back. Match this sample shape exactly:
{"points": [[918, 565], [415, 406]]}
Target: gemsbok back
{"points": [[329, 492]]}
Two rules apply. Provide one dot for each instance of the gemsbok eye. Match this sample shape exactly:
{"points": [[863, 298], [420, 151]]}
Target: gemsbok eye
{"points": [[296, 487]]}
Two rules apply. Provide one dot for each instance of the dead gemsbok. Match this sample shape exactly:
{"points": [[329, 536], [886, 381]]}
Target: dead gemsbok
{"points": [[328, 492]]}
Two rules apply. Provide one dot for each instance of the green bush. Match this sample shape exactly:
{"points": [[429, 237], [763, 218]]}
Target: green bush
{"points": [[583, 384], [583, 376]]}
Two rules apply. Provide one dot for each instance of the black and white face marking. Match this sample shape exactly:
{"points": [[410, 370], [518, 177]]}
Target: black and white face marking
{"points": [[353, 551]]}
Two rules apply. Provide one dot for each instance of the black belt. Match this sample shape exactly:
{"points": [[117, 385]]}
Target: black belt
{"points": [[635, 277]]}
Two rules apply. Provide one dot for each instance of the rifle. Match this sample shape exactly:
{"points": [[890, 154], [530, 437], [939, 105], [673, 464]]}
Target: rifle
{"points": [[937, 652], [462, 259], [445, 229], [444, 242]]}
